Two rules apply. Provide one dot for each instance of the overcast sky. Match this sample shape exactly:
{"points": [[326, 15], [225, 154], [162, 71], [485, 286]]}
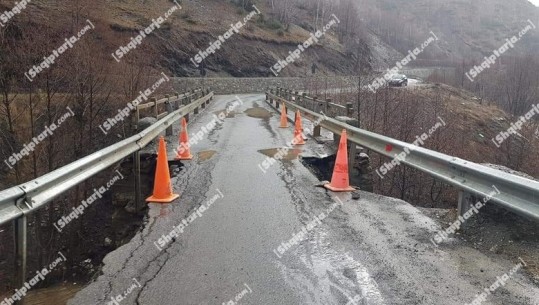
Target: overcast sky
{"points": [[536, 2]]}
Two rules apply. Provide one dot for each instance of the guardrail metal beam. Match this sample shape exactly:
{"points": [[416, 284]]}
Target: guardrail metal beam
{"points": [[19, 201], [517, 194]]}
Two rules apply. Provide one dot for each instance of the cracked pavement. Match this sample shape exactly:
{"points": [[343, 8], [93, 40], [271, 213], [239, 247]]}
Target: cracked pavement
{"points": [[375, 250]]}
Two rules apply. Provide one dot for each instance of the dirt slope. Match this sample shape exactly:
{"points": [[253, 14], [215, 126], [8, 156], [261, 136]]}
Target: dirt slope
{"points": [[251, 52]]}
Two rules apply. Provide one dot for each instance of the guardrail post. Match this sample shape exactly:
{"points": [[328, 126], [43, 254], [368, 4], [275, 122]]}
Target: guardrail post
{"points": [[136, 172], [167, 96], [155, 110], [20, 250], [317, 131], [169, 109], [328, 106], [352, 153], [349, 109], [136, 162], [188, 101], [177, 101], [321, 106], [304, 100], [136, 118], [465, 203]]}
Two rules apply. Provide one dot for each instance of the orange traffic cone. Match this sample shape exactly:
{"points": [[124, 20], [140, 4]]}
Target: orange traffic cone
{"points": [[298, 131], [340, 182], [284, 118], [184, 151], [162, 189], [298, 118], [298, 114]]}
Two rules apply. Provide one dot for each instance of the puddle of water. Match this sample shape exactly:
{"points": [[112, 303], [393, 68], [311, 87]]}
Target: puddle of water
{"points": [[206, 155], [332, 276], [58, 295], [258, 113], [281, 153]]}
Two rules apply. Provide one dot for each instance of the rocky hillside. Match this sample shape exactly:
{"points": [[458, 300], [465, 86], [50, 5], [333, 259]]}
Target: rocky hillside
{"points": [[251, 52]]}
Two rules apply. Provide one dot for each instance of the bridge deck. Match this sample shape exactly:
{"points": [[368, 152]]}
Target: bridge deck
{"points": [[376, 248]]}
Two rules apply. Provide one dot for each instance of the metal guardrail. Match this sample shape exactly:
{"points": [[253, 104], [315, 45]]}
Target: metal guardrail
{"points": [[517, 194], [326, 105], [178, 99], [21, 200]]}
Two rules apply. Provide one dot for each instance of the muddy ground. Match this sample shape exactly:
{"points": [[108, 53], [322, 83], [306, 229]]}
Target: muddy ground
{"points": [[497, 232]]}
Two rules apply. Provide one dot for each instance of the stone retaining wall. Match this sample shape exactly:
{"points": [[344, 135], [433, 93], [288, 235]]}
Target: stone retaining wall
{"points": [[258, 85]]}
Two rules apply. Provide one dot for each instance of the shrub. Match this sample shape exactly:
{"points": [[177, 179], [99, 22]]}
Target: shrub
{"points": [[274, 25], [240, 11]]}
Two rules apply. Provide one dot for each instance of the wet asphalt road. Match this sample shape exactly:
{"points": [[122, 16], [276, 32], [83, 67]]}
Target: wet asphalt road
{"points": [[372, 251]]}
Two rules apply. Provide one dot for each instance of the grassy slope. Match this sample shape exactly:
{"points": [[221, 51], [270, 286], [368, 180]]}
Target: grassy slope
{"points": [[476, 123]]}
